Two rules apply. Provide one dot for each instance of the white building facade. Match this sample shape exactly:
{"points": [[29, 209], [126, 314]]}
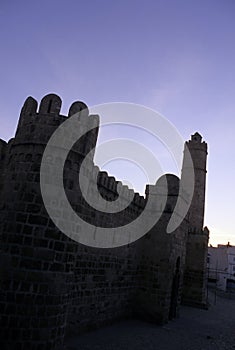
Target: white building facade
{"points": [[221, 266]]}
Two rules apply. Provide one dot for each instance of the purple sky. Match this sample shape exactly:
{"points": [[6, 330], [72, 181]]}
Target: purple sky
{"points": [[175, 56]]}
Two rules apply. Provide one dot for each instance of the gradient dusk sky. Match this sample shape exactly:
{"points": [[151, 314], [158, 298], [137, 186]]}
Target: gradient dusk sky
{"points": [[174, 56]]}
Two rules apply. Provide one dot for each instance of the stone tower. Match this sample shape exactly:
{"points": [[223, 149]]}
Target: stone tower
{"points": [[198, 151], [51, 285], [194, 291], [36, 258]]}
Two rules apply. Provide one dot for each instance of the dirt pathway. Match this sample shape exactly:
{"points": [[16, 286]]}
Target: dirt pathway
{"points": [[196, 329]]}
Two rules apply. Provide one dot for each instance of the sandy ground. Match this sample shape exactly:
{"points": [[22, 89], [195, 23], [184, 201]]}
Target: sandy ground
{"points": [[195, 329]]}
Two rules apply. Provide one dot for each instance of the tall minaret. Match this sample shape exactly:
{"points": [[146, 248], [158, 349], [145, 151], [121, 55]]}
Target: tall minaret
{"points": [[198, 152], [194, 170]]}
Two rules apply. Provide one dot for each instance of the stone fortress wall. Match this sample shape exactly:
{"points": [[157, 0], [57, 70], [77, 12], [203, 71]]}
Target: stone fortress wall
{"points": [[53, 286]]}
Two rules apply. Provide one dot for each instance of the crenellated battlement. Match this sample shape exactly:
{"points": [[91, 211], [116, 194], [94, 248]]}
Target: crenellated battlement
{"points": [[51, 105], [112, 187], [197, 143], [37, 123]]}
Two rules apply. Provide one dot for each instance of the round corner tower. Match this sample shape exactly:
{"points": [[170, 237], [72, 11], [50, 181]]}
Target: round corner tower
{"points": [[37, 259]]}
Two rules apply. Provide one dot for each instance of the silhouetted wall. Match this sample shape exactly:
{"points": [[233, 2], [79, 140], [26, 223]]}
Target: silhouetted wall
{"points": [[52, 285]]}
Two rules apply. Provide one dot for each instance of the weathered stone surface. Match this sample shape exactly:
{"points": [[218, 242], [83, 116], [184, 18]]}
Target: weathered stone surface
{"points": [[52, 285]]}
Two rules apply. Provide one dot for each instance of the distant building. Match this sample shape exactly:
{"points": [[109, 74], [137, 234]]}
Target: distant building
{"points": [[221, 266]]}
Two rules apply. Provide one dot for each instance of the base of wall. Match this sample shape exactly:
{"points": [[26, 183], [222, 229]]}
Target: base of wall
{"points": [[196, 304]]}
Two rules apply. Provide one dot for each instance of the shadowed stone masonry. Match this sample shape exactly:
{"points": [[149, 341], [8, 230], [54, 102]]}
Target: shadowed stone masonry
{"points": [[51, 285]]}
